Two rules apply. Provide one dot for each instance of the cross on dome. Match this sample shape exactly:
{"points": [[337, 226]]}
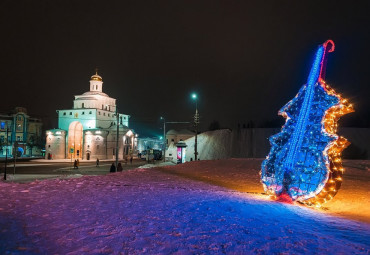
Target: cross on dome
{"points": [[96, 76]]}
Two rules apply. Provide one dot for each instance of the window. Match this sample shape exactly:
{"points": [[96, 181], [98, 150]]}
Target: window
{"points": [[18, 138], [83, 105], [20, 118], [19, 127], [2, 125], [96, 87], [90, 112], [83, 113], [64, 113], [124, 118], [104, 114], [70, 113], [102, 107], [108, 115], [99, 113], [172, 140]]}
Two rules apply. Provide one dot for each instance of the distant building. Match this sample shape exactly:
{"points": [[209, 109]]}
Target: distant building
{"points": [[24, 134], [89, 130], [174, 136], [146, 143]]}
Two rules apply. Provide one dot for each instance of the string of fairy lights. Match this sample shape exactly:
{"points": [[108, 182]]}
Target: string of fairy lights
{"points": [[305, 157]]}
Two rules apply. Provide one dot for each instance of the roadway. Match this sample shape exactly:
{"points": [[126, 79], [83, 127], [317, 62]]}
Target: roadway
{"points": [[64, 167]]}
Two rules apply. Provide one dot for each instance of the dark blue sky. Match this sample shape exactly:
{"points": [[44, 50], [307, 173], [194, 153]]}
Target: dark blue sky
{"points": [[245, 59]]}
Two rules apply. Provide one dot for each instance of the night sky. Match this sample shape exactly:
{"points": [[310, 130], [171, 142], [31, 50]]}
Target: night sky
{"points": [[245, 59]]}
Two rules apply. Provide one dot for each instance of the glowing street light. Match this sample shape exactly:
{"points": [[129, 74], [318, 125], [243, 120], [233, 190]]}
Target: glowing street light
{"points": [[196, 122]]}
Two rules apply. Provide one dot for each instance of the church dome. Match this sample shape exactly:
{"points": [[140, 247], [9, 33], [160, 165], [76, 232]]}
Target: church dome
{"points": [[96, 77]]}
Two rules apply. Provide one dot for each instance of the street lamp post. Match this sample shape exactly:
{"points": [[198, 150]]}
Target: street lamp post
{"points": [[196, 122], [6, 151], [117, 137], [164, 139]]}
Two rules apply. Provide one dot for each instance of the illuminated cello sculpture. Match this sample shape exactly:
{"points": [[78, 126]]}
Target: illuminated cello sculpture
{"points": [[305, 157]]}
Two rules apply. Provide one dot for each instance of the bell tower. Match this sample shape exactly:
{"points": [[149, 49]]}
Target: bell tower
{"points": [[96, 82]]}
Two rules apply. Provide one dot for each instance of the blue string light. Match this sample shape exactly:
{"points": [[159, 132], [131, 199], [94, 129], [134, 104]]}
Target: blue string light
{"points": [[298, 163]]}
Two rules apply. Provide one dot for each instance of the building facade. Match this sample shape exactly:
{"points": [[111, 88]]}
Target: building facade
{"points": [[89, 129], [175, 136], [20, 134]]}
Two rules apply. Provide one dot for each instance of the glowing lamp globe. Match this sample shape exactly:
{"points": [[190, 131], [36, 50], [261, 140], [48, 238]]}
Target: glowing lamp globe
{"points": [[305, 157]]}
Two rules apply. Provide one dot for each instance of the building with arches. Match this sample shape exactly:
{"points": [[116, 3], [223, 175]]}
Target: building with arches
{"points": [[89, 129]]}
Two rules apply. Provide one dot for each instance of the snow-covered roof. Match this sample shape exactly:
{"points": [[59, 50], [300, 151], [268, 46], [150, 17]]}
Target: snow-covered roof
{"points": [[85, 98], [172, 132], [95, 93], [181, 132]]}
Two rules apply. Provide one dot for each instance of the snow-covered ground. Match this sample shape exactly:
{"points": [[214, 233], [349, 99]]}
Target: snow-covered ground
{"points": [[199, 207]]}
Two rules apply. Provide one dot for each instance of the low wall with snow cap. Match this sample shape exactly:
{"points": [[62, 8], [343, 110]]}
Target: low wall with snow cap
{"points": [[254, 143]]}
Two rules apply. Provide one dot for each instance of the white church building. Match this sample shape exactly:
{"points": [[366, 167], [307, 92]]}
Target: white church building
{"points": [[89, 130]]}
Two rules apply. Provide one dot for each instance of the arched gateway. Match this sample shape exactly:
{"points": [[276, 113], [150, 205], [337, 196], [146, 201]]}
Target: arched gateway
{"points": [[88, 130], [75, 140]]}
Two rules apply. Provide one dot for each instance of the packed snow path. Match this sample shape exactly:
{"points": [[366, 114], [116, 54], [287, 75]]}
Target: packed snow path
{"points": [[150, 211]]}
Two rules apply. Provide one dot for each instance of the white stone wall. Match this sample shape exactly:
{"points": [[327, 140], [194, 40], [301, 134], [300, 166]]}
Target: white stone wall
{"points": [[95, 143], [55, 144], [96, 85], [95, 101]]}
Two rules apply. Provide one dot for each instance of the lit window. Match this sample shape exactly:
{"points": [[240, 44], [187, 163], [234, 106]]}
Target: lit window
{"points": [[2, 125]]}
